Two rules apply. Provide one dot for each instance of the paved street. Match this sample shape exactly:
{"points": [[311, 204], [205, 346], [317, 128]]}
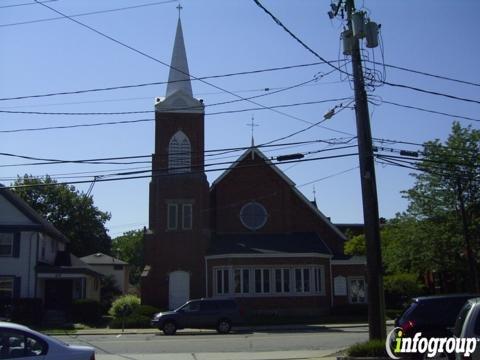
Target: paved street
{"points": [[309, 343]]}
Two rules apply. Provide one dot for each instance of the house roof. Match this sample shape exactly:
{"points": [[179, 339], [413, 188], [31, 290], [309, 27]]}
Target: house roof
{"points": [[28, 211], [254, 243], [102, 259], [257, 152], [66, 263]]}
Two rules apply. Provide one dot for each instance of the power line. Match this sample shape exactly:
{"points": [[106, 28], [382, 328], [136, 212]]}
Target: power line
{"points": [[81, 14], [129, 86], [23, 4], [165, 64], [150, 120], [208, 152], [279, 23], [169, 174], [430, 111], [431, 92], [442, 77]]}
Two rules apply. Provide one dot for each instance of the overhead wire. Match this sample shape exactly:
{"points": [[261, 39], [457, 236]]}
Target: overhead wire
{"points": [[165, 64], [81, 14]]}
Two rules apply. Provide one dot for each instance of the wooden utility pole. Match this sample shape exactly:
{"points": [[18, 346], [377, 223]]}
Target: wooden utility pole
{"points": [[376, 299]]}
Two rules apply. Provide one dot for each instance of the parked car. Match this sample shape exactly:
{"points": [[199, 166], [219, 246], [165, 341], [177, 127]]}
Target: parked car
{"points": [[468, 326], [18, 341], [218, 314], [433, 316]]}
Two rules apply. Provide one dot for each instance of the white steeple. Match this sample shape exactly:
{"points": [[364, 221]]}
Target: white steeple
{"points": [[179, 77]]}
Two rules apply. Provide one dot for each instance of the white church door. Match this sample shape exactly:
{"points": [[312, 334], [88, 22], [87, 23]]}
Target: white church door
{"points": [[178, 289]]}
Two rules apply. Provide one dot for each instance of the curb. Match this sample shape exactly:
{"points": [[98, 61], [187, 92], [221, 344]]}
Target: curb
{"points": [[311, 327]]}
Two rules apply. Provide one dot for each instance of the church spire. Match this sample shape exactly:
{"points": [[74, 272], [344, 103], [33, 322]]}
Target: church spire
{"points": [[179, 77]]}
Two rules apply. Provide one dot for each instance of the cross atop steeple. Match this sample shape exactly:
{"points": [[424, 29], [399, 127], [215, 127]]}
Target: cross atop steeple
{"points": [[179, 7], [252, 124]]}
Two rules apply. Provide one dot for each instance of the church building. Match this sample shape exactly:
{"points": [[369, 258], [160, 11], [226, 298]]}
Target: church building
{"points": [[251, 234]]}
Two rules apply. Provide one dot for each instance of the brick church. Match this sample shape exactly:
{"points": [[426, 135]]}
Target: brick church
{"points": [[251, 234]]}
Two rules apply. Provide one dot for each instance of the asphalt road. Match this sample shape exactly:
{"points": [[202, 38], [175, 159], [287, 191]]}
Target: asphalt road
{"points": [[208, 344]]}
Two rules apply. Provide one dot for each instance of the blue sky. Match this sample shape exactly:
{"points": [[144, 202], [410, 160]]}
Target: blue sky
{"points": [[435, 36]]}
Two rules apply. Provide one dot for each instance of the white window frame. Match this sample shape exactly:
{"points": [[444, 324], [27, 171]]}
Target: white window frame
{"points": [[350, 280], [11, 280], [319, 280], [187, 226], [244, 289], [262, 280], [169, 214], [302, 289], [225, 275], [7, 241], [283, 280]]}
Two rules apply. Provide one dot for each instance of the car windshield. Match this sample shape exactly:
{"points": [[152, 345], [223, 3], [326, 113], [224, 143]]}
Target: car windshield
{"points": [[462, 315]]}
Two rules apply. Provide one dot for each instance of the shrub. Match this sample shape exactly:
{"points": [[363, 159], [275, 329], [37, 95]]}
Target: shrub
{"points": [[124, 305], [372, 348], [399, 288], [146, 310], [26, 311], [131, 321], [86, 310]]}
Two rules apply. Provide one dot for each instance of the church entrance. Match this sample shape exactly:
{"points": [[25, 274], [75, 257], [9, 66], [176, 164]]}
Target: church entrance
{"points": [[178, 289]]}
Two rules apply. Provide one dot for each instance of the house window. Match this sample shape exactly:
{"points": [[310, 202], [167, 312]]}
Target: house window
{"points": [[223, 286], [187, 216], [172, 217], [242, 281], [253, 216], [179, 154], [317, 279], [262, 281], [282, 280], [357, 290], [302, 280], [6, 244], [117, 267], [6, 287]]}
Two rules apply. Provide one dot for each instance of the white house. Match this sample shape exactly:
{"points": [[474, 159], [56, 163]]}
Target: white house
{"points": [[34, 261], [110, 266]]}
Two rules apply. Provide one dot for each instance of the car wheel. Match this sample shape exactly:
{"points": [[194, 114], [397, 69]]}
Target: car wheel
{"points": [[169, 328], [224, 326]]}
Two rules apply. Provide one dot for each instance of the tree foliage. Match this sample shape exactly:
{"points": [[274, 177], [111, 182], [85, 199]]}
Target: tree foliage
{"points": [[72, 212], [129, 248]]}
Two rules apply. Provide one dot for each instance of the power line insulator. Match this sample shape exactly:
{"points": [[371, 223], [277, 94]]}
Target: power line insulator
{"points": [[290, 157]]}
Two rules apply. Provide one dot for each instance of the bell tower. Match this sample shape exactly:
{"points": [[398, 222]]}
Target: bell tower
{"points": [[177, 239]]}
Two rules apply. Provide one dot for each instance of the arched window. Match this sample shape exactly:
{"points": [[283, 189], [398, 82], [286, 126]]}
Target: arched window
{"points": [[179, 153]]}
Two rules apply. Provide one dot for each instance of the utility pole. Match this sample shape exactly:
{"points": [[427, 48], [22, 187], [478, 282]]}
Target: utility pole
{"points": [[376, 299]]}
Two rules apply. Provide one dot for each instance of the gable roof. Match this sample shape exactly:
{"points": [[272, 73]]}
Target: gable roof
{"points": [[252, 243], [102, 259], [28, 211], [257, 152]]}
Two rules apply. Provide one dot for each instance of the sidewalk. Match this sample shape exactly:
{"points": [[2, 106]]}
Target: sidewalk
{"points": [[293, 327], [267, 355]]}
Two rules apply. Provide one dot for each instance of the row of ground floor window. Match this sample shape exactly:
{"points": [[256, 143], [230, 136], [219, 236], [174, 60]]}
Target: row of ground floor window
{"points": [[283, 281]]}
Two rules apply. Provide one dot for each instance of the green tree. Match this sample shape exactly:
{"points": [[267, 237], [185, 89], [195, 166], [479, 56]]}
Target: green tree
{"points": [[72, 212], [129, 247], [446, 201]]}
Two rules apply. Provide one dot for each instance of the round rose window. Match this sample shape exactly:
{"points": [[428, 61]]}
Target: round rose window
{"points": [[253, 215]]}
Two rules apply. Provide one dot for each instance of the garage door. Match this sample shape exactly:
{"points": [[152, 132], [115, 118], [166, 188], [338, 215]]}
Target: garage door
{"points": [[178, 289]]}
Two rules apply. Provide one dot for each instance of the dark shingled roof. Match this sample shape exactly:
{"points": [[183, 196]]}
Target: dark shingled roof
{"points": [[294, 243], [66, 263]]}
